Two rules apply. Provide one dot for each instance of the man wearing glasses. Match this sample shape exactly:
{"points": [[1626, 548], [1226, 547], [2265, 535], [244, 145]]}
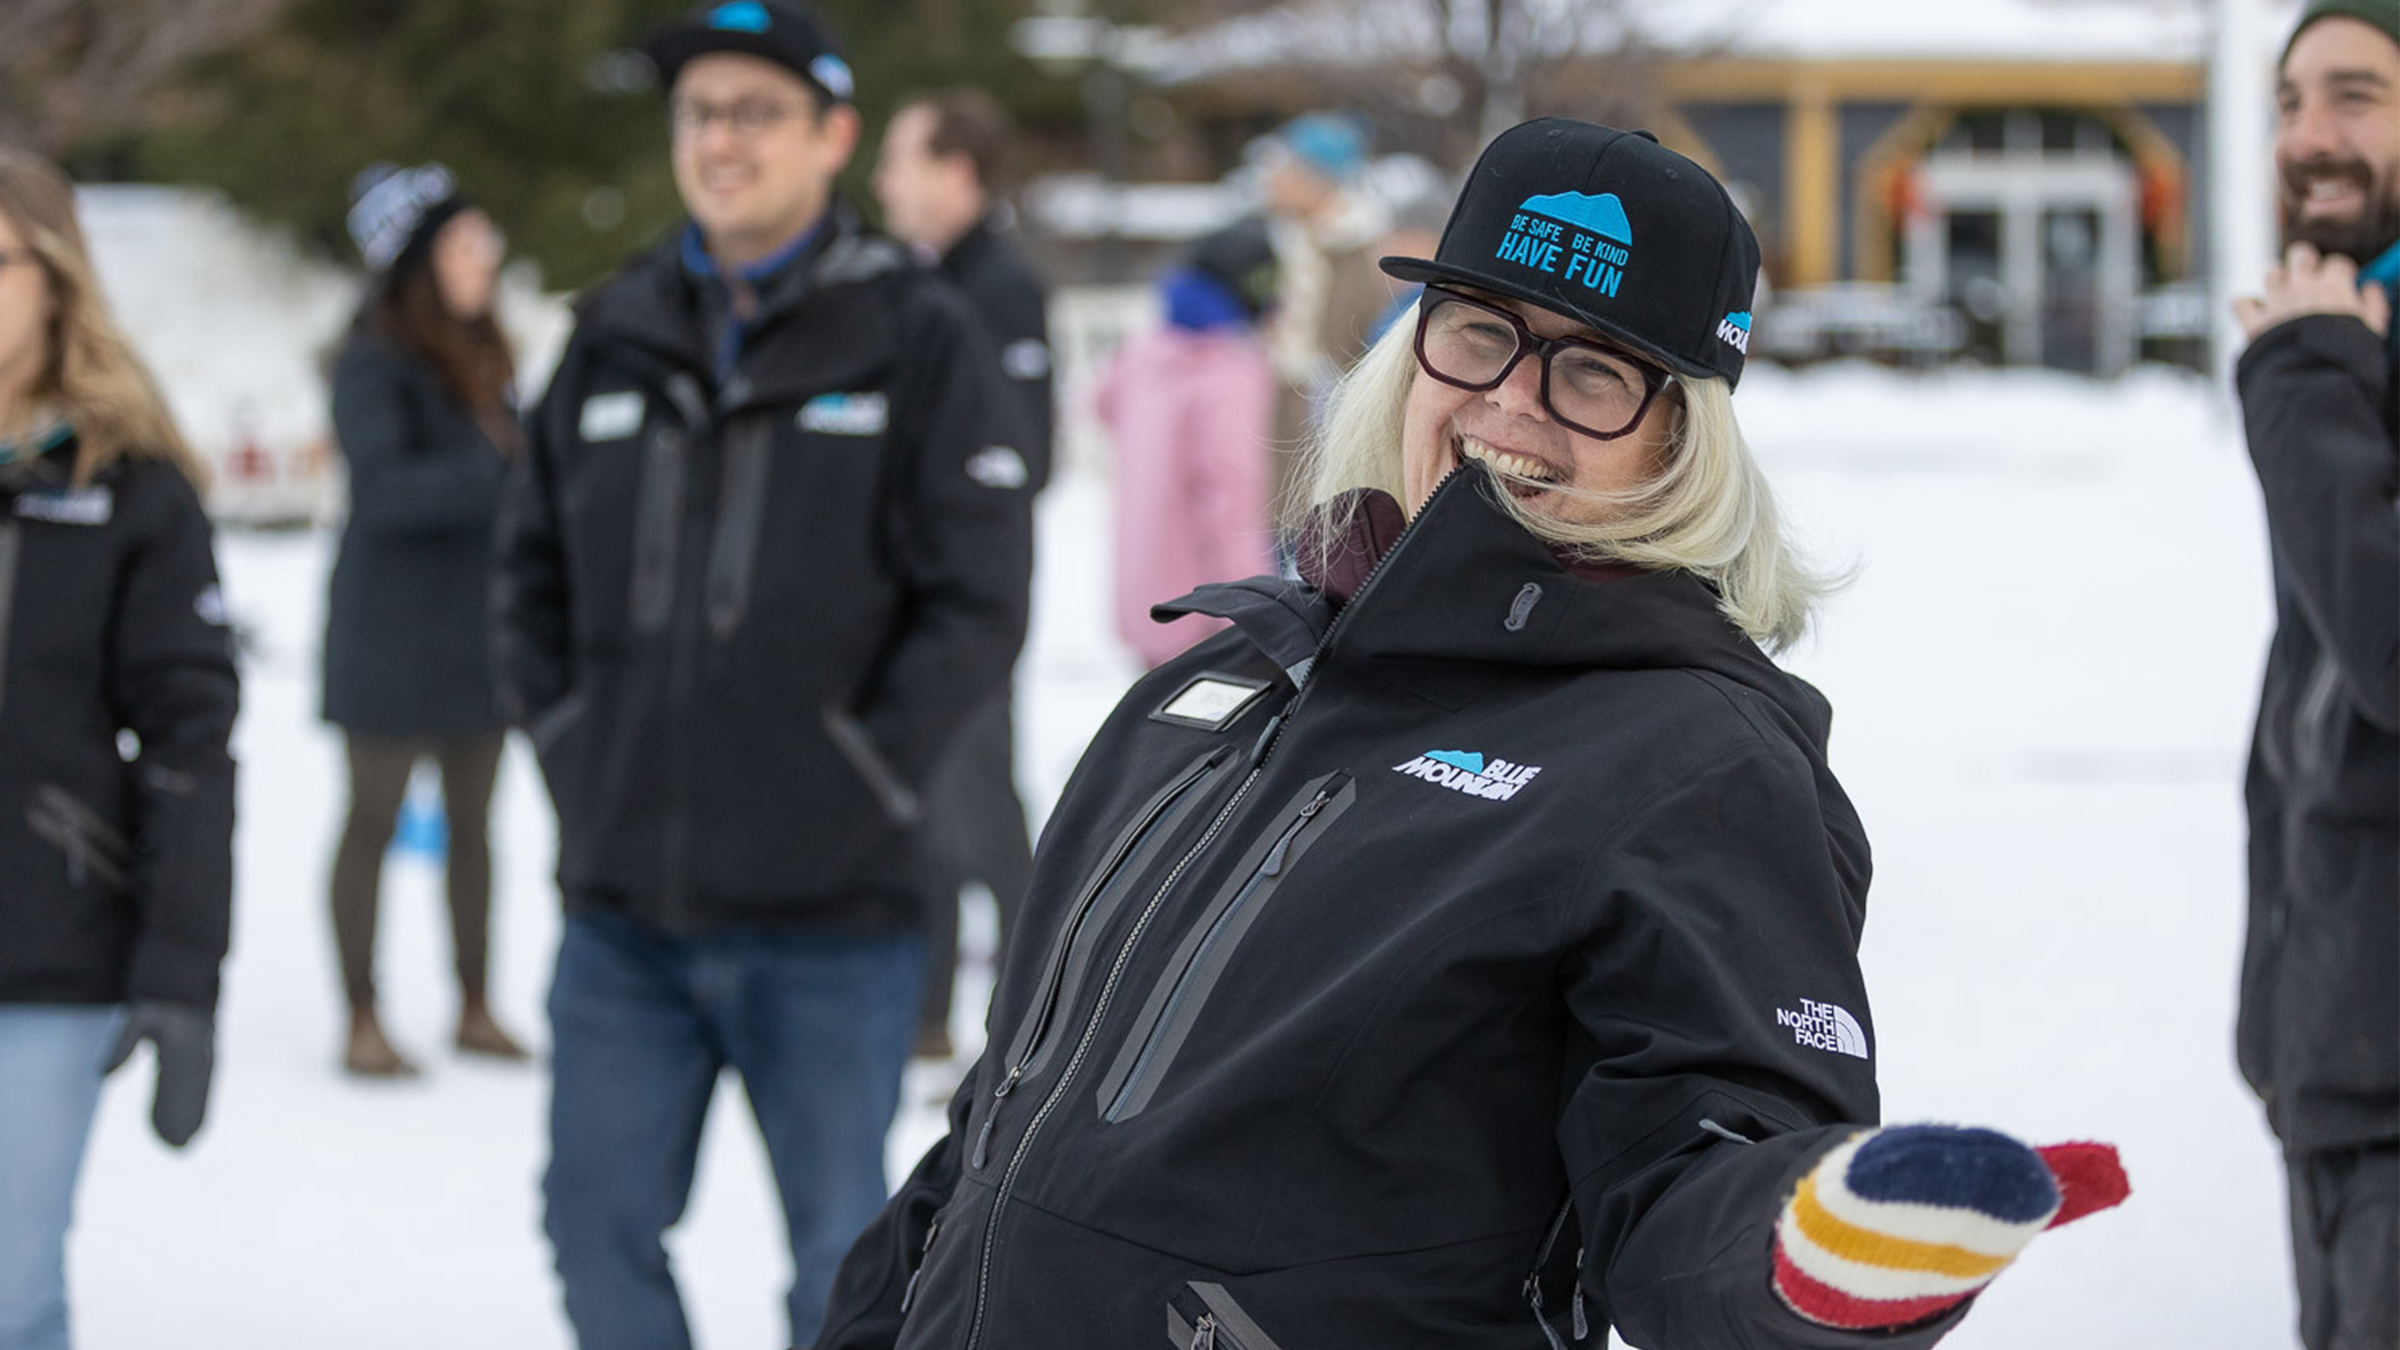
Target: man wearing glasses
{"points": [[755, 568]]}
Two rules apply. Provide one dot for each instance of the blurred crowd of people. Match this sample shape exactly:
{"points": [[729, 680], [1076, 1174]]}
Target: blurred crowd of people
{"points": [[751, 575]]}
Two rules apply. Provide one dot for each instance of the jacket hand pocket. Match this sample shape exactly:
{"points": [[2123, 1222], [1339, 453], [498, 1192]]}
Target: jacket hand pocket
{"points": [[850, 736], [94, 848], [1202, 1316]]}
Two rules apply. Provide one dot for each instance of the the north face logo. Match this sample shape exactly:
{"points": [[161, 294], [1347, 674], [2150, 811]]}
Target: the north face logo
{"points": [[1466, 771], [1824, 1026]]}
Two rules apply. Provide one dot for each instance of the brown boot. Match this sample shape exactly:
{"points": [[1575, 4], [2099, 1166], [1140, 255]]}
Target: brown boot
{"points": [[478, 1034], [369, 1053]]}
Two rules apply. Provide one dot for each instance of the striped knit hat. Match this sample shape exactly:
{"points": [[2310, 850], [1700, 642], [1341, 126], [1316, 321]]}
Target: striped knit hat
{"points": [[1896, 1226]]}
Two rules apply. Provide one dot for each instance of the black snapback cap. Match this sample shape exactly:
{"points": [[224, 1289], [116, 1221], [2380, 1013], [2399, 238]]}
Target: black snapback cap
{"points": [[790, 35], [1611, 229]]}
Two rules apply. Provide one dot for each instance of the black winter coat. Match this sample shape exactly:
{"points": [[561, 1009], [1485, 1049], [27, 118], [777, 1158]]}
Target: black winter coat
{"points": [[407, 649], [2319, 1034], [1484, 952], [116, 874], [1004, 295], [742, 620]]}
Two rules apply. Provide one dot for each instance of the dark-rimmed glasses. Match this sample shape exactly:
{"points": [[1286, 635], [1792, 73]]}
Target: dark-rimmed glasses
{"points": [[749, 117], [1587, 386]]}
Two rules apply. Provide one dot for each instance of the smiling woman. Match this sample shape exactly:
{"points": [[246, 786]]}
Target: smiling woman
{"points": [[1467, 936]]}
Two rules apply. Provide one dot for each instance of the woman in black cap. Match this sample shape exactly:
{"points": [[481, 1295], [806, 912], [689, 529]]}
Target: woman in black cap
{"points": [[423, 410], [1465, 942]]}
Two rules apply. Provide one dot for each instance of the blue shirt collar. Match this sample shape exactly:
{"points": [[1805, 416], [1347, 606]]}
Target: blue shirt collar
{"points": [[697, 261], [2384, 270]]}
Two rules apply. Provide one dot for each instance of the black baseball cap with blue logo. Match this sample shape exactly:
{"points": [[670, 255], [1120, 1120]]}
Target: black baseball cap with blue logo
{"points": [[1611, 229], [787, 34]]}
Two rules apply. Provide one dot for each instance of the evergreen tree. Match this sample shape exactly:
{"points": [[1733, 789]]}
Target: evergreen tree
{"points": [[542, 107]]}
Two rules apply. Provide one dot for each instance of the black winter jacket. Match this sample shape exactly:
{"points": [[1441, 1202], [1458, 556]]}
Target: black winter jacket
{"points": [[742, 620], [2319, 1033], [407, 650], [1004, 295], [1483, 952], [116, 873]]}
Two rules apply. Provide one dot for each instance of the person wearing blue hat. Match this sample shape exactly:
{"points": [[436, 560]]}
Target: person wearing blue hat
{"points": [[1325, 227], [2318, 1037], [766, 548]]}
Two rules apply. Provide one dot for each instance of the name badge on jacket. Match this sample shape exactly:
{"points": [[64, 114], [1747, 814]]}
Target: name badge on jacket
{"points": [[69, 506]]}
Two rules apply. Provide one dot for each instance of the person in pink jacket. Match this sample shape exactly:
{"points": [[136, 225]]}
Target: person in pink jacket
{"points": [[1190, 406]]}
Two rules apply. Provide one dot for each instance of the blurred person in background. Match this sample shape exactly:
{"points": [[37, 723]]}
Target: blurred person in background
{"points": [[2319, 1032], [766, 553], [1460, 951], [117, 696], [1414, 231], [938, 178], [423, 410], [1326, 228], [1188, 406]]}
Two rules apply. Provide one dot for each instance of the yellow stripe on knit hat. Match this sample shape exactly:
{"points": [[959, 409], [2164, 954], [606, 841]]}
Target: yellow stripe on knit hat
{"points": [[1869, 1247]]}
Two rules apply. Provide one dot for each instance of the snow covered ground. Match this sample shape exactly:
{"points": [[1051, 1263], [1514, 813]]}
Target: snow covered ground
{"points": [[2042, 677]]}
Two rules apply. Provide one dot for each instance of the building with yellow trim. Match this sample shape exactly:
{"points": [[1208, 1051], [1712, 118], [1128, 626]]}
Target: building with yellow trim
{"points": [[2013, 181]]}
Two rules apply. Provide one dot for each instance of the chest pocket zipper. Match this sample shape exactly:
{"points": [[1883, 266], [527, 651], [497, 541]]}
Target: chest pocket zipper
{"points": [[1129, 1085], [1203, 1316], [1151, 824]]}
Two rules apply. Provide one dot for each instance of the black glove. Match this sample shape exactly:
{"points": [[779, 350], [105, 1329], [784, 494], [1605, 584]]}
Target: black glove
{"points": [[186, 1038]]}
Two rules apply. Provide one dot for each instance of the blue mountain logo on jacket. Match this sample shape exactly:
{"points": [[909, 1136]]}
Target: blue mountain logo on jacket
{"points": [[1571, 236], [846, 414], [1734, 331], [1467, 771]]}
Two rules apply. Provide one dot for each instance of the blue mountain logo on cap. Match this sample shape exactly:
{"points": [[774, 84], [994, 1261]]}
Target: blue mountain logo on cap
{"points": [[1734, 331], [1571, 236], [1469, 760], [1603, 214], [742, 16]]}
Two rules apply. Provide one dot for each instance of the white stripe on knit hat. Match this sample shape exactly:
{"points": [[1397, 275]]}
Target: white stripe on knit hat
{"points": [[1860, 1280], [1956, 1225]]}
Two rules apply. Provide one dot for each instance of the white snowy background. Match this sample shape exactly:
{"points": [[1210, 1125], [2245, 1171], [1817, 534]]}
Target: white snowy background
{"points": [[2042, 677]]}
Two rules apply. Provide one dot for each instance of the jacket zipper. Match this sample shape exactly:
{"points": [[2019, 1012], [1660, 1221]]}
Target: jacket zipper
{"points": [[1204, 1332], [10, 536], [1127, 845], [1272, 867], [1578, 1323], [683, 654], [1267, 741]]}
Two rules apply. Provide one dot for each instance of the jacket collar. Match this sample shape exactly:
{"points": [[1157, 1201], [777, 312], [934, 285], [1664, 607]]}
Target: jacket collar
{"points": [[657, 304], [1466, 591]]}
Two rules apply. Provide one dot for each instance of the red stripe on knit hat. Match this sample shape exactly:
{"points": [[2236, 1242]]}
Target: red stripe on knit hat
{"points": [[1821, 1302]]}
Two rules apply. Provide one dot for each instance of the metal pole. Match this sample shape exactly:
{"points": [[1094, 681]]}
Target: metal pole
{"points": [[2241, 196]]}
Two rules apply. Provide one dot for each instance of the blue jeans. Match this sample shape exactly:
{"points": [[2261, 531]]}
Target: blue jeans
{"points": [[818, 1026], [50, 1060]]}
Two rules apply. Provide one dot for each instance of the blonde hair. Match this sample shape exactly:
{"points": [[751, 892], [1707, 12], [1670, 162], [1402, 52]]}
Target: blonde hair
{"points": [[1708, 510], [89, 373]]}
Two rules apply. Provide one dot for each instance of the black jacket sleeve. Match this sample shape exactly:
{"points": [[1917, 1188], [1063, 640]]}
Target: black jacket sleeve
{"points": [[2314, 393], [1013, 310], [1721, 903], [530, 635], [401, 484], [962, 538], [172, 683], [863, 1312]]}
